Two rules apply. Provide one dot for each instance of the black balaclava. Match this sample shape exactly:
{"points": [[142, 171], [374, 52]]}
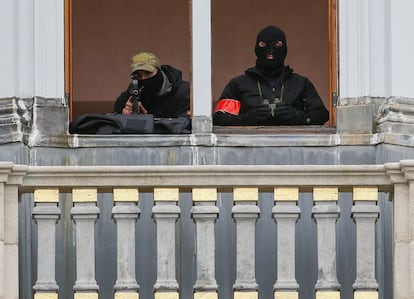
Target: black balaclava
{"points": [[151, 86], [270, 35]]}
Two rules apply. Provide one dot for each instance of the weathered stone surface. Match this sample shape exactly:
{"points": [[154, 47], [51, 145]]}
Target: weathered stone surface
{"points": [[355, 119]]}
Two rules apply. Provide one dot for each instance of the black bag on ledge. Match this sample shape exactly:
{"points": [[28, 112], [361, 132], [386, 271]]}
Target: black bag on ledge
{"points": [[105, 124]]}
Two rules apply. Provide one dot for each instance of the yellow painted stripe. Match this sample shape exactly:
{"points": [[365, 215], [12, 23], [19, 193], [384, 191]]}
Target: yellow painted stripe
{"points": [[365, 295], [126, 295], [328, 295], [286, 194], [325, 194], [126, 195], [46, 195], [246, 295], [205, 295], [286, 295], [370, 194], [245, 194], [166, 295], [84, 195], [80, 295], [204, 194], [166, 194], [40, 295]]}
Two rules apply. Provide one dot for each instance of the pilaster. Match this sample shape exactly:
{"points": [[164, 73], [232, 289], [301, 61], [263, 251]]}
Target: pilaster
{"points": [[407, 168], [10, 178]]}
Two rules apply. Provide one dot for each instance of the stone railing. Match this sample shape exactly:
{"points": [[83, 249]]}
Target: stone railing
{"points": [[207, 189]]}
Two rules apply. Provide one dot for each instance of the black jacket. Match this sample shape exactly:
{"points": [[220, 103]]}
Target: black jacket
{"points": [[174, 103], [252, 89]]}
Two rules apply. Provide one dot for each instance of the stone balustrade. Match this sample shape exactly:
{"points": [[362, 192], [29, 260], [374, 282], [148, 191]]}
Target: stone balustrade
{"points": [[207, 188]]}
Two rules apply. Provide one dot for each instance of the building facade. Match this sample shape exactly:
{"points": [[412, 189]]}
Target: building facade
{"points": [[373, 126]]}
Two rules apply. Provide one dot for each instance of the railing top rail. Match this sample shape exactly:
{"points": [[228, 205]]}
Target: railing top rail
{"points": [[220, 176]]}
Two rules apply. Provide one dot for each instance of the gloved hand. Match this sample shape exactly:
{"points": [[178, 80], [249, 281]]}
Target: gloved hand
{"points": [[288, 115], [257, 115]]}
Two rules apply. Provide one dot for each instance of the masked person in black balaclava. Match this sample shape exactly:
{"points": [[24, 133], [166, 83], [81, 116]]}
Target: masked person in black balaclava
{"points": [[163, 93], [270, 93]]}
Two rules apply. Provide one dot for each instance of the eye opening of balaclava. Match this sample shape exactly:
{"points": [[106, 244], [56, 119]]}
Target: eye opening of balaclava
{"points": [[268, 42]]}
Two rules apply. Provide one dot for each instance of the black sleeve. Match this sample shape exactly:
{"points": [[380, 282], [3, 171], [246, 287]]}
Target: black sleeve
{"points": [[231, 90], [314, 109], [183, 100], [120, 102], [226, 119]]}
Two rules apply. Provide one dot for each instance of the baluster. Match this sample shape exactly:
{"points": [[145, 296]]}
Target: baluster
{"points": [[46, 213], [245, 213], [84, 213], [286, 213], [204, 213], [166, 213], [365, 213], [326, 212], [126, 212]]}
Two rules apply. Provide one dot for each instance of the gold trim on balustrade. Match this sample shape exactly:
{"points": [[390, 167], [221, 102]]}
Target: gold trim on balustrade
{"points": [[328, 295], [46, 195], [286, 295], [205, 295], [81, 295], [365, 193], [121, 194], [204, 194], [246, 295], [166, 295], [325, 194], [365, 295], [84, 195], [246, 194], [126, 295], [166, 194], [286, 194], [48, 295]]}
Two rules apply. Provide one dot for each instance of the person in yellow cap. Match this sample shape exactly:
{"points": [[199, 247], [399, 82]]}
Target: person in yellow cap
{"points": [[163, 92]]}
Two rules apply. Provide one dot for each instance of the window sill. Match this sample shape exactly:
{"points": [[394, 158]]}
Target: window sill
{"points": [[274, 130]]}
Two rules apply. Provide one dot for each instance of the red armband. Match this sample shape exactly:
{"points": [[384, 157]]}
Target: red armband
{"points": [[228, 105]]}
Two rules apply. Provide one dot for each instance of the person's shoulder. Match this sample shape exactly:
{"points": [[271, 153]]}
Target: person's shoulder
{"points": [[173, 73], [169, 68], [249, 73], [297, 79], [239, 77], [294, 75], [252, 72]]}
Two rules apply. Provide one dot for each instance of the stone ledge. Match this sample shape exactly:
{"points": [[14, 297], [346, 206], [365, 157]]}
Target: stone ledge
{"points": [[207, 140]]}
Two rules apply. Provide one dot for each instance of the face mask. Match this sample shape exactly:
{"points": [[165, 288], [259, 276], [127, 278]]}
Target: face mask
{"points": [[270, 42], [151, 86]]}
